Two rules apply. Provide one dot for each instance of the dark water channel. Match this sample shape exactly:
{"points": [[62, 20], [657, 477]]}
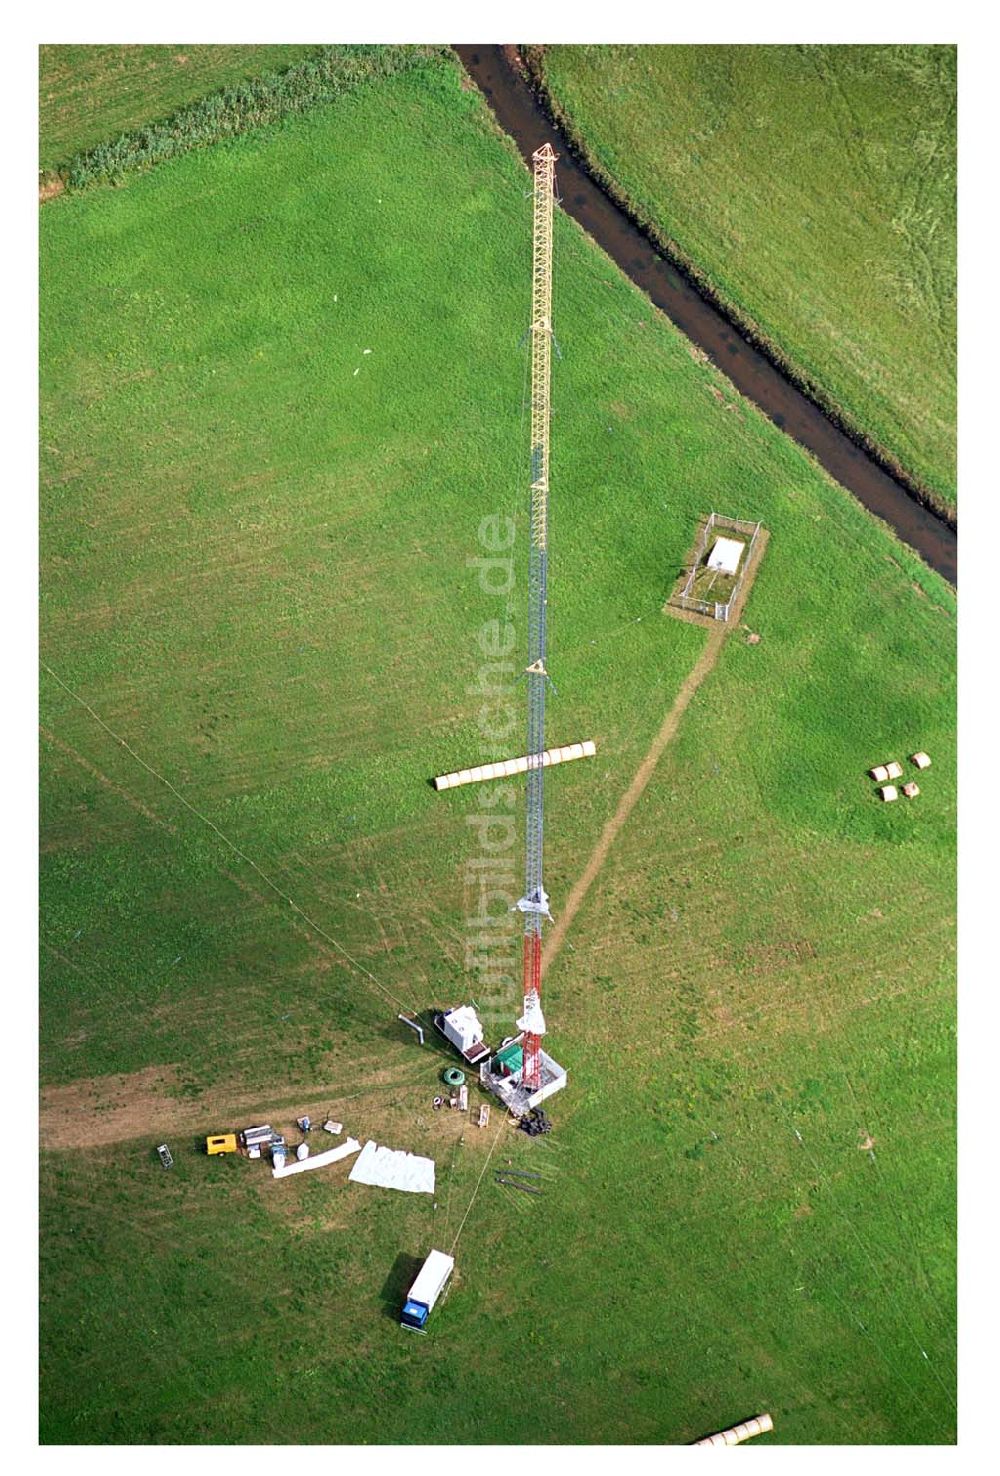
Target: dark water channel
{"points": [[520, 114]]}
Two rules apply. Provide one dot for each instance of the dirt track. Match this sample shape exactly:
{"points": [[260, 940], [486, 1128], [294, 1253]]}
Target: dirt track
{"points": [[628, 801], [101, 1110], [716, 636]]}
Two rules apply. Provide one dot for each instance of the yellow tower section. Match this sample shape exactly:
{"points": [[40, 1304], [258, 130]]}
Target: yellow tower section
{"points": [[544, 165]]}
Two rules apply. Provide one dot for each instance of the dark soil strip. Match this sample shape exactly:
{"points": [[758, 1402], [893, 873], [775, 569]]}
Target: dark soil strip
{"points": [[520, 114]]}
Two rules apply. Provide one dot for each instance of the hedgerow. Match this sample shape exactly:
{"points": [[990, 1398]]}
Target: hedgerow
{"points": [[234, 110]]}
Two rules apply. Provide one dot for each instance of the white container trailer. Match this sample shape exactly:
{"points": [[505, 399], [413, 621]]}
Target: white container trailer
{"points": [[461, 1026], [430, 1283]]}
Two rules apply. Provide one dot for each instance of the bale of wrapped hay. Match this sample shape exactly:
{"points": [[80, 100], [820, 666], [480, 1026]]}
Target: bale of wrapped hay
{"points": [[888, 792], [921, 760], [894, 770], [880, 773], [911, 790]]}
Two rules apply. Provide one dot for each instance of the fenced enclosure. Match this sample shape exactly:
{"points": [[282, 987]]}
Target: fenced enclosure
{"points": [[712, 592]]}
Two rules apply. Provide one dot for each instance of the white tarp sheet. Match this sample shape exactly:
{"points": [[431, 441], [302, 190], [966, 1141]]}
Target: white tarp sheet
{"points": [[318, 1160], [389, 1169]]}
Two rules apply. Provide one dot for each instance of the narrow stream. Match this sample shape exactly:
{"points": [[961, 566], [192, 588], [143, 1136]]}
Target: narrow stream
{"points": [[519, 113]]}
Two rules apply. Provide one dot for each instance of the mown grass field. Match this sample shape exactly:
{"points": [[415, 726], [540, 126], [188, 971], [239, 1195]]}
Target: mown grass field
{"points": [[87, 94], [814, 187], [255, 545]]}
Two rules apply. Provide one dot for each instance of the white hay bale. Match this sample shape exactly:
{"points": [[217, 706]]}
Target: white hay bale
{"points": [[888, 792], [880, 773], [911, 790], [893, 769], [921, 760]]}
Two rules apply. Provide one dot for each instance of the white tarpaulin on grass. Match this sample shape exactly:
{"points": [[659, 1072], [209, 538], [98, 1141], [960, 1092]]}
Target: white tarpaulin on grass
{"points": [[318, 1160], [389, 1169]]}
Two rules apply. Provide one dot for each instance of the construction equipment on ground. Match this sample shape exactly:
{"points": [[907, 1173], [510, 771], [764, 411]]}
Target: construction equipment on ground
{"points": [[504, 1176], [258, 1137], [413, 1026], [534, 1123]]}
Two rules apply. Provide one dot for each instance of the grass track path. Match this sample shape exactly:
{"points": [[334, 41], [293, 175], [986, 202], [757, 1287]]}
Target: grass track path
{"points": [[630, 798]]}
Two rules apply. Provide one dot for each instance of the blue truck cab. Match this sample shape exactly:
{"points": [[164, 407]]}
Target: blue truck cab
{"points": [[415, 1314]]}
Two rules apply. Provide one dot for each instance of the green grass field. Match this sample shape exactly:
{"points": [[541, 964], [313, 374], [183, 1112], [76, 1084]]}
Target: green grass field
{"points": [[814, 187], [255, 545], [88, 94]]}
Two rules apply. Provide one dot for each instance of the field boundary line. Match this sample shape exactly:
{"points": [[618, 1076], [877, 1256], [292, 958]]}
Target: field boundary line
{"points": [[668, 728], [233, 110], [226, 841]]}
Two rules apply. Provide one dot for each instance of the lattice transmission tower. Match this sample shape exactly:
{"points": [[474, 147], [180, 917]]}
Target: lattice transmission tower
{"points": [[535, 902]]}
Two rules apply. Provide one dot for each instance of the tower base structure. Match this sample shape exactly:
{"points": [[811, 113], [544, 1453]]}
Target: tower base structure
{"points": [[502, 1073]]}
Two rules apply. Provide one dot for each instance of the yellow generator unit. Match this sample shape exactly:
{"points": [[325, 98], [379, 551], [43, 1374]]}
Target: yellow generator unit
{"points": [[223, 1143]]}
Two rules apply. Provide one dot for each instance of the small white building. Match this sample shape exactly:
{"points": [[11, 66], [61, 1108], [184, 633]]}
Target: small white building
{"points": [[726, 554], [462, 1027]]}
